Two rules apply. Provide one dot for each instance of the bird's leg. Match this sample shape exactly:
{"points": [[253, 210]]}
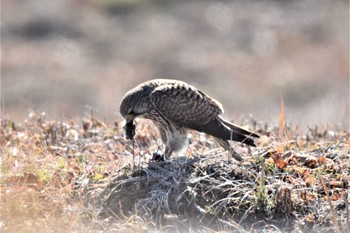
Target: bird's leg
{"points": [[158, 157], [167, 153]]}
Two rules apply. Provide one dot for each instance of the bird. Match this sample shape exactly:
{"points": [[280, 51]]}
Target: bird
{"points": [[175, 107]]}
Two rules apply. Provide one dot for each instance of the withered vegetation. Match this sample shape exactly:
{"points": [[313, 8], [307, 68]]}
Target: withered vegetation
{"points": [[59, 176]]}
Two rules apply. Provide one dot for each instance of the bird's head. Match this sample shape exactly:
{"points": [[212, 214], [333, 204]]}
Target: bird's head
{"points": [[134, 103]]}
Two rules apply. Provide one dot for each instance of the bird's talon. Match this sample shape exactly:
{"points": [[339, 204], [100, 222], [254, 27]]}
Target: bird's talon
{"points": [[158, 157]]}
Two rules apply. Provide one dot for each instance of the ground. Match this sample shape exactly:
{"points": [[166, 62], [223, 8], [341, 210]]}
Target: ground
{"points": [[59, 176]]}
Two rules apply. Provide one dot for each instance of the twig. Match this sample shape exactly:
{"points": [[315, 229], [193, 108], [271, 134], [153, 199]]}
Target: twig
{"points": [[92, 117], [261, 188], [229, 156], [245, 215], [312, 133], [331, 206], [234, 225], [282, 119], [262, 177]]}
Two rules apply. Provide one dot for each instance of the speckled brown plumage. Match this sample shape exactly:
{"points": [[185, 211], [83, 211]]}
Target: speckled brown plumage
{"points": [[175, 106]]}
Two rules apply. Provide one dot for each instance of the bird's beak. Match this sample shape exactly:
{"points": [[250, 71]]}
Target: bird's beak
{"points": [[129, 118]]}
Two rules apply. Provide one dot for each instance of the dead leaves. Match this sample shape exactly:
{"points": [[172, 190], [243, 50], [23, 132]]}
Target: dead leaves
{"points": [[279, 162], [304, 170], [27, 179], [336, 184], [313, 162], [273, 158], [277, 159], [309, 181], [310, 219], [307, 196], [282, 160]]}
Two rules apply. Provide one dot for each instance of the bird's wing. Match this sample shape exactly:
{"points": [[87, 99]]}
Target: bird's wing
{"points": [[184, 105]]}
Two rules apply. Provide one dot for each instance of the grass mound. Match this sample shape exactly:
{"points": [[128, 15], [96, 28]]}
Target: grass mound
{"points": [[206, 193]]}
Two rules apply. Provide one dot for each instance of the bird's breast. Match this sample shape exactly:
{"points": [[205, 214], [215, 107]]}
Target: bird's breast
{"points": [[177, 139]]}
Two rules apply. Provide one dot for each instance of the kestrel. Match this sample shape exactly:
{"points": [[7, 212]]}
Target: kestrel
{"points": [[176, 107]]}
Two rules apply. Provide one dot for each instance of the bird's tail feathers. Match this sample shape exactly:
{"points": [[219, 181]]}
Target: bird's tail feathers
{"points": [[238, 129], [220, 128]]}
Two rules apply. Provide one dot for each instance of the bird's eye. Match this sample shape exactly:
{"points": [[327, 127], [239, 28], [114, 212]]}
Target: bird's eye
{"points": [[131, 112]]}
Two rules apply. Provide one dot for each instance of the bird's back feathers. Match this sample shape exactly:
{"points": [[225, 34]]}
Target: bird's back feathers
{"points": [[184, 104]]}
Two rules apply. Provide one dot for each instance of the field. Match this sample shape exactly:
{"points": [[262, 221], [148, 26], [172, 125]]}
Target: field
{"points": [[59, 176]]}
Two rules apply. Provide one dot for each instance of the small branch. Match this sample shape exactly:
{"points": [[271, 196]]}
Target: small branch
{"points": [[331, 206], [92, 117]]}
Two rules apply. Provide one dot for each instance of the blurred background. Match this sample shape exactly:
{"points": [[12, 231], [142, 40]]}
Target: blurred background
{"points": [[69, 56]]}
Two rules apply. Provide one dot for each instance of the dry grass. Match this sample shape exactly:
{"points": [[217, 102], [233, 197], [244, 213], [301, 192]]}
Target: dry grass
{"points": [[79, 177]]}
